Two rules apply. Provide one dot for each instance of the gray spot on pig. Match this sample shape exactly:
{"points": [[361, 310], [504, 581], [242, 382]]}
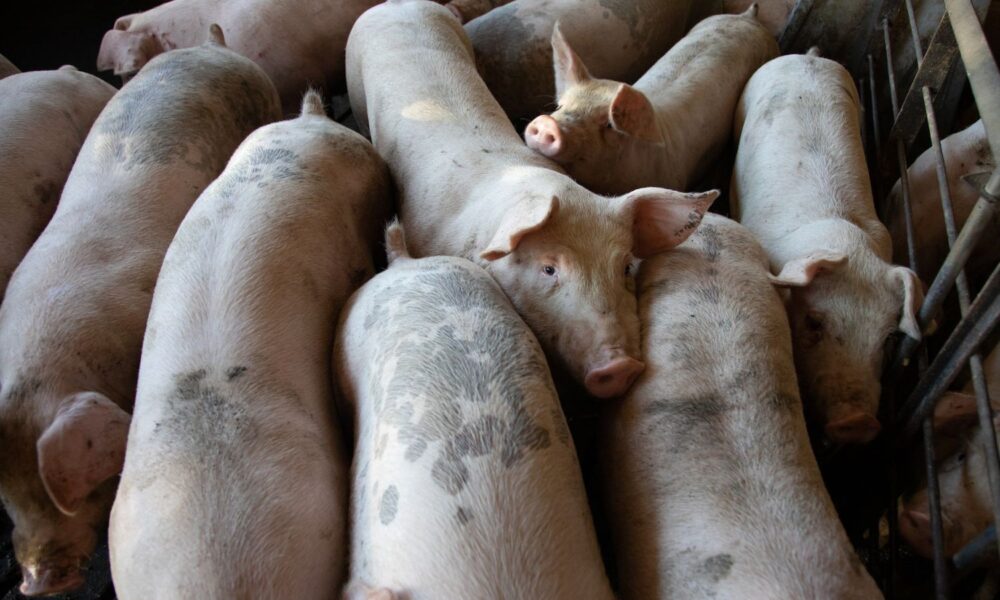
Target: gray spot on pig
{"points": [[234, 372], [457, 391], [189, 384], [388, 505], [626, 10], [693, 219], [716, 568], [47, 192], [463, 516], [189, 106], [711, 241]]}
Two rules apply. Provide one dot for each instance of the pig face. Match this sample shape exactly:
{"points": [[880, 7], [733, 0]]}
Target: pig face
{"points": [[965, 502], [841, 316], [568, 264], [600, 126], [53, 484]]}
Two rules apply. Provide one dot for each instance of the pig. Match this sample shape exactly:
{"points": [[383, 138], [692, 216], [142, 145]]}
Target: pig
{"points": [[469, 187], [711, 485], [966, 152], [7, 68], [465, 479], [467, 10], [666, 130], [72, 322], [44, 118], [235, 479], [963, 477], [801, 186], [618, 39], [298, 43]]}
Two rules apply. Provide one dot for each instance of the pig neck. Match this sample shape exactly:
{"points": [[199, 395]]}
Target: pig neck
{"points": [[696, 125], [836, 235]]}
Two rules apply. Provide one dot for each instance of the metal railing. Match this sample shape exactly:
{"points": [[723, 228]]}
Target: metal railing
{"points": [[959, 35]]}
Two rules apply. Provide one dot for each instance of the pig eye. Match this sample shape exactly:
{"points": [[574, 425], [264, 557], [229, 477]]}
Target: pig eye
{"points": [[628, 270], [549, 270]]}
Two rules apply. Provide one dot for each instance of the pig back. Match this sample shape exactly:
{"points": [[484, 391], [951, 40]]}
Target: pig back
{"points": [[87, 282], [461, 444], [707, 464], [616, 39], [249, 292], [44, 119], [800, 157]]}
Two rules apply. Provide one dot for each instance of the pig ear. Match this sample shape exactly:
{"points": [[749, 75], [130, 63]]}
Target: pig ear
{"points": [[84, 446], [529, 214], [801, 271], [913, 298], [570, 70], [664, 218], [631, 113], [127, 51]]}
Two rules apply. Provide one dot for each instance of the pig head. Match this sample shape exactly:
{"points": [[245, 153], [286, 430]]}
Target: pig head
{"points": [[568, 265], [54, 480], [841, 316], [127, 51]]}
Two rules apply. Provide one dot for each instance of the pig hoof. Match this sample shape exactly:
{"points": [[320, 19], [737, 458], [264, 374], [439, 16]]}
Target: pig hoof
{"points": [[614, 378], [47, 581], [855, 429]]}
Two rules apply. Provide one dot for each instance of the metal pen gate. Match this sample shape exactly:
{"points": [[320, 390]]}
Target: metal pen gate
{"points": [[957, 42]]}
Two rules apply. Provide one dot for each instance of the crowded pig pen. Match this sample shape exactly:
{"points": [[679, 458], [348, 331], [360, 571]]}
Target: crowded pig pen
{"points": [[500, 299]]}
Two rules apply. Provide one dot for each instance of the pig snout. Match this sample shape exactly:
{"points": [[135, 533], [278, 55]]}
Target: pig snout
{"points": [[915, 529], [543, 136], [613, 376], [50, 579]]}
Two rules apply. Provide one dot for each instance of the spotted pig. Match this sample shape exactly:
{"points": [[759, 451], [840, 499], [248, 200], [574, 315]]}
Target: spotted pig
{"points": [[72, 322], [465, 480], [711, 485], [235, 479]]}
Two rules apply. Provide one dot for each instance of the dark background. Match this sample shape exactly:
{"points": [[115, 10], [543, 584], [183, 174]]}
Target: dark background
{"points": [[46, 34]]}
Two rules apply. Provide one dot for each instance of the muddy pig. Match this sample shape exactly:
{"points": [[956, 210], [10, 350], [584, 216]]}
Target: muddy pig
{"points": [[235, 479], [669, 127], [72, 322], [801, 186], [618, 39], [469, 187], [297, 42], [711, 485], [44, 118], [465, 479]]}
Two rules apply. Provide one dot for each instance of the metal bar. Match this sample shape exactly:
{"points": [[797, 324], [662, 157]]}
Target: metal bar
{"points": [[979, 221], [962, 287], [967, 337], [979, 551], [904, 179], [934, 503], [933, 70], [984, 76], [800, 12], [876, 130], [918, 51]]}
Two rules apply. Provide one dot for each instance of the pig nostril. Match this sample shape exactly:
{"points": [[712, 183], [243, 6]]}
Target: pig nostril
{"points": [[550, 139]]}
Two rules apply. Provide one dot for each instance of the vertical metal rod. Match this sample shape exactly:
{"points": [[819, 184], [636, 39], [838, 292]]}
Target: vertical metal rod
{"points": [[934, 501], [984, 409], [984, 76], [918, 50], [874, 101], [904, 179]]}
